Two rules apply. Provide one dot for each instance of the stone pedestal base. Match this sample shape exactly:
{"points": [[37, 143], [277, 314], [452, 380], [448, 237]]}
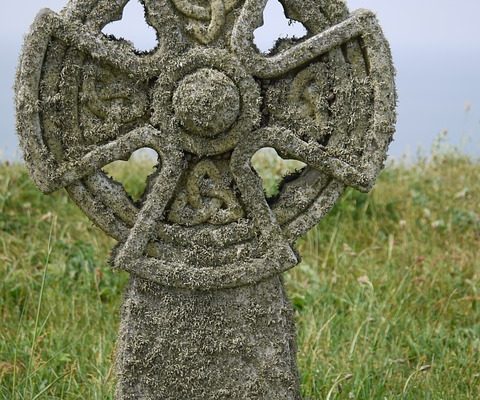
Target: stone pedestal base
{"points": [[236, 344]]}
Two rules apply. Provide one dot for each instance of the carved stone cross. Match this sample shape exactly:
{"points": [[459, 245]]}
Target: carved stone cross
{"points": [[205, 315]]}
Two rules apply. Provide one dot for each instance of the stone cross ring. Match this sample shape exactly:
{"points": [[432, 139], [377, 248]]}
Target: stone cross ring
{"points": [[205, 100], [205, 245]]}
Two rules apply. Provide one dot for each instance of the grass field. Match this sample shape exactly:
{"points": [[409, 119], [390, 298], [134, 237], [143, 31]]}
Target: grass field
{"points": [[387, 296]]}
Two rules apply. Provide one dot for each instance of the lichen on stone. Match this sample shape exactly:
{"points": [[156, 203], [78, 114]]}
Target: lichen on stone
{"points": [[204, 246]]}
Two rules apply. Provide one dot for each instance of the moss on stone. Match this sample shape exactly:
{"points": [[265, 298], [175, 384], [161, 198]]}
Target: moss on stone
{"points": [[205, 316]]}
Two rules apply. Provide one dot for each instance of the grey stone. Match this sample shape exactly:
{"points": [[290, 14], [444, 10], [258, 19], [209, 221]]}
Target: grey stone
{"points": [[205, 315]]}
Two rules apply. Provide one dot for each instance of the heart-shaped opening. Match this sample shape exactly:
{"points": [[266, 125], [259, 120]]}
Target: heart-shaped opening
{"points": [[134, 28], [276, 27], [274, 170], [136, 174]]}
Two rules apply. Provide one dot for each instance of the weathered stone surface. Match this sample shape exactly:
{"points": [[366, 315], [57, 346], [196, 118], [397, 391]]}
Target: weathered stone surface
{"points": [[226, 344], [205, 316]]}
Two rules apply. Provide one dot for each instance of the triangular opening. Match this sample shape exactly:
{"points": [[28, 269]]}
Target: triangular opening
{"points": [[134, 28], [134, 174], [276, 26], [274, 170]]}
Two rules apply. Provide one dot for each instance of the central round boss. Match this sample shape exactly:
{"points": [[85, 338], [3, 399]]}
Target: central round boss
{"points": [[206, 102]]}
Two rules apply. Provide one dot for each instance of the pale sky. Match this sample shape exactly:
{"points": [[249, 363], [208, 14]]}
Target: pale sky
{"points": [[435, 45]]}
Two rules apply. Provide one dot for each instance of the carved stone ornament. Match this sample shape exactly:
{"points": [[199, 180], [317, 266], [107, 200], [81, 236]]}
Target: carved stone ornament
{"points": [[205, 315]]}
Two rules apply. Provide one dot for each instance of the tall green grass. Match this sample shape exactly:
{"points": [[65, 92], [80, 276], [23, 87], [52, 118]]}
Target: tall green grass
{"points": [[387, 296]]}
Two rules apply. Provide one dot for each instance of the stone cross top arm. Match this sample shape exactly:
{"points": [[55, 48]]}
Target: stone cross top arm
{"points": [[205, 315]]}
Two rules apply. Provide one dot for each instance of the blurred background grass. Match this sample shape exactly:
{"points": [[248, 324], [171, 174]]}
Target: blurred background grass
{"points": [[387, 296]]}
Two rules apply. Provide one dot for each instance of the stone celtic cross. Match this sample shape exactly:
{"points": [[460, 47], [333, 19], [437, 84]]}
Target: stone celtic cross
{"points": [[205, 315]]}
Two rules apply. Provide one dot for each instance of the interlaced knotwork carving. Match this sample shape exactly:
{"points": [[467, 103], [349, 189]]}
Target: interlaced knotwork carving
{"points": [[208, 197], [310, 97], [112, 96], [111, 100], [208, 20]]}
